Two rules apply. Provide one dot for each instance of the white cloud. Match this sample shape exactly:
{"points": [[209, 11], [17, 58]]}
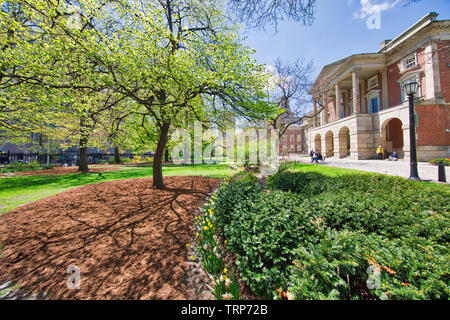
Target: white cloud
{"points": [[369, 7]]}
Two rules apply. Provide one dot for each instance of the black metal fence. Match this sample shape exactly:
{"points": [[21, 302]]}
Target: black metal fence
{"points": [[66, 157]]}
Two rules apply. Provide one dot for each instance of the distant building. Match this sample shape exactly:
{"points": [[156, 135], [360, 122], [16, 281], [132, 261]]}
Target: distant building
{"points": [[365, 105], [293, 140]]}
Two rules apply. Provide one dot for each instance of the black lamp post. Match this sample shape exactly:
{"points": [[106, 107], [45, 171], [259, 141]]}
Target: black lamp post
{"points": [[410, 90]]}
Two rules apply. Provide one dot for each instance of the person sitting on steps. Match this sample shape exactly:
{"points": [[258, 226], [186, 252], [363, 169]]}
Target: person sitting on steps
{"points": [[317, 157], [380, 152], [393, 157]]}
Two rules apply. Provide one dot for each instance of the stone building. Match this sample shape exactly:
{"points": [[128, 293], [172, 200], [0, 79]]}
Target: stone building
{"points": [[365, 106]]}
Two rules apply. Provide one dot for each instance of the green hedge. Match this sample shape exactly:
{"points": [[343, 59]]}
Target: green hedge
{"points": [[19, 166], [444, 161], [314, 237]]}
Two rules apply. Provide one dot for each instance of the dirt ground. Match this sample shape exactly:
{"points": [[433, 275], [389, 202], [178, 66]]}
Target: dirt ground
{"points": [[128, 240], [59, 170]]}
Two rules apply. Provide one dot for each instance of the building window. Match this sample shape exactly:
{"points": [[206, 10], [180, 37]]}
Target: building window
{"points": [[372, 82], [292, 147], [299, 148], [292, 138], [374, 105], [373, 100], [413, 76]]}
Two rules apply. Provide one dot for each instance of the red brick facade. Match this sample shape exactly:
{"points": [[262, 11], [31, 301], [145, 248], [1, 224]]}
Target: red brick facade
{"points": [[444, 68], [433, 125]]}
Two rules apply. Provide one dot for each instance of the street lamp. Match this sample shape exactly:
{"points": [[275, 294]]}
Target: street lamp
{"points": [[410, 89]]}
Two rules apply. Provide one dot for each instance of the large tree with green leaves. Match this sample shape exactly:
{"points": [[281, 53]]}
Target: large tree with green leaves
{"points": [[163, 55]]}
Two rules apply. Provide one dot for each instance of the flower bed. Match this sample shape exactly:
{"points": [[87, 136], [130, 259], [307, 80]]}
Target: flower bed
{"points": [[222, 282]]}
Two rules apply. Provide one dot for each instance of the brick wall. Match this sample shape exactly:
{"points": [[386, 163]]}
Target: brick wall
{"points": [[444, 68], [434, 120]]}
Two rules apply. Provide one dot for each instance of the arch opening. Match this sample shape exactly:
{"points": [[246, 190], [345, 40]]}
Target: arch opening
{"points": [[393, 137]]}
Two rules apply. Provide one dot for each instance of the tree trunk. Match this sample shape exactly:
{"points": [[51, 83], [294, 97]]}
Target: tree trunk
{"points": [[84, 136], [83, 161], [158, 182], [116, 155]]}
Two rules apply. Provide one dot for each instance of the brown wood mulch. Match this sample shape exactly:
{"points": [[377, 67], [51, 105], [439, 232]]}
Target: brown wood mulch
{"points": [[128, 240]]}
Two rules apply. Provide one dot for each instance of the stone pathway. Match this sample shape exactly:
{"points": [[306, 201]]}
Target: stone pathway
{"points": [[395, 168]]}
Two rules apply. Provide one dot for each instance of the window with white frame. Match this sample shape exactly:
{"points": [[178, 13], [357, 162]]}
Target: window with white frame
{"points": [[292, 138], [292, 147], [408, 78], [373, 101], [410, 61]]}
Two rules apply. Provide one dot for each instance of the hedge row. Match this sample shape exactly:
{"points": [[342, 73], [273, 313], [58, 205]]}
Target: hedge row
{"points": [[352, 237]]}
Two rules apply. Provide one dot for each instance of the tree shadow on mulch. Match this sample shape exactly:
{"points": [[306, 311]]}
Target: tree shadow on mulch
{"points": [[128, 240]]}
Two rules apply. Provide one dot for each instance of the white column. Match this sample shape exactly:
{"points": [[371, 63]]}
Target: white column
{"points": [[338, 101], [384, 86], [325, 110], [356, 93], [314, 120]]}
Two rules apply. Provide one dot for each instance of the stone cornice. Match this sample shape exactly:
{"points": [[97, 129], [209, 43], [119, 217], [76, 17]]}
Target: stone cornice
{"points": [[343, 67]]}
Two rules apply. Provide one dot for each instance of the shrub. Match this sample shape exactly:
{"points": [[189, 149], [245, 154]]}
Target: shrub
{"points": [[19, 166], [437, 161], [314, 237]]}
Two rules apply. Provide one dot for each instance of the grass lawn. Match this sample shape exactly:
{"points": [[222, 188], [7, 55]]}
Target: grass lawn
{"points": [[338, 172], [16, 191]]}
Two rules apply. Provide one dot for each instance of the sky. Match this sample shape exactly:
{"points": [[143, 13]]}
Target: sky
{"points": [[341, 28]]}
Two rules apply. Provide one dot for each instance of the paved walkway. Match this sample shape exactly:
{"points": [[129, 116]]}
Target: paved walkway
{"points": [[395, 168]]}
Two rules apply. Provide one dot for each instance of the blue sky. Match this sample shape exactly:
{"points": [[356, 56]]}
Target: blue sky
{"points": [[340, 30]]}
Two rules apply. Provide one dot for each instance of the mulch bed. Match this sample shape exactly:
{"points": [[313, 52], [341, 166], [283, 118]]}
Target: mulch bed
{"points": [[59, 170], [128, 240]]}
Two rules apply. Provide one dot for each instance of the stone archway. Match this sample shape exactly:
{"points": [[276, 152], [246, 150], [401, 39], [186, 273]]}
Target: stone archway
{"points": [[318, 143], [344, 142], [329, 144], [393, 139]]}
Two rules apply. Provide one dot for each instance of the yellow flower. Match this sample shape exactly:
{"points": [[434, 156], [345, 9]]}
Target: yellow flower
{"points": [[225, 242], [188, 244], [205, 228], [192, 258], [225, 270], [197, 235]]}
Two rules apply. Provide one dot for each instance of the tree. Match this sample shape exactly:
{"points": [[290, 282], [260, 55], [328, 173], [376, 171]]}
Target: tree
{"points": [[291, 83], [162, 55], [258, 14]]}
